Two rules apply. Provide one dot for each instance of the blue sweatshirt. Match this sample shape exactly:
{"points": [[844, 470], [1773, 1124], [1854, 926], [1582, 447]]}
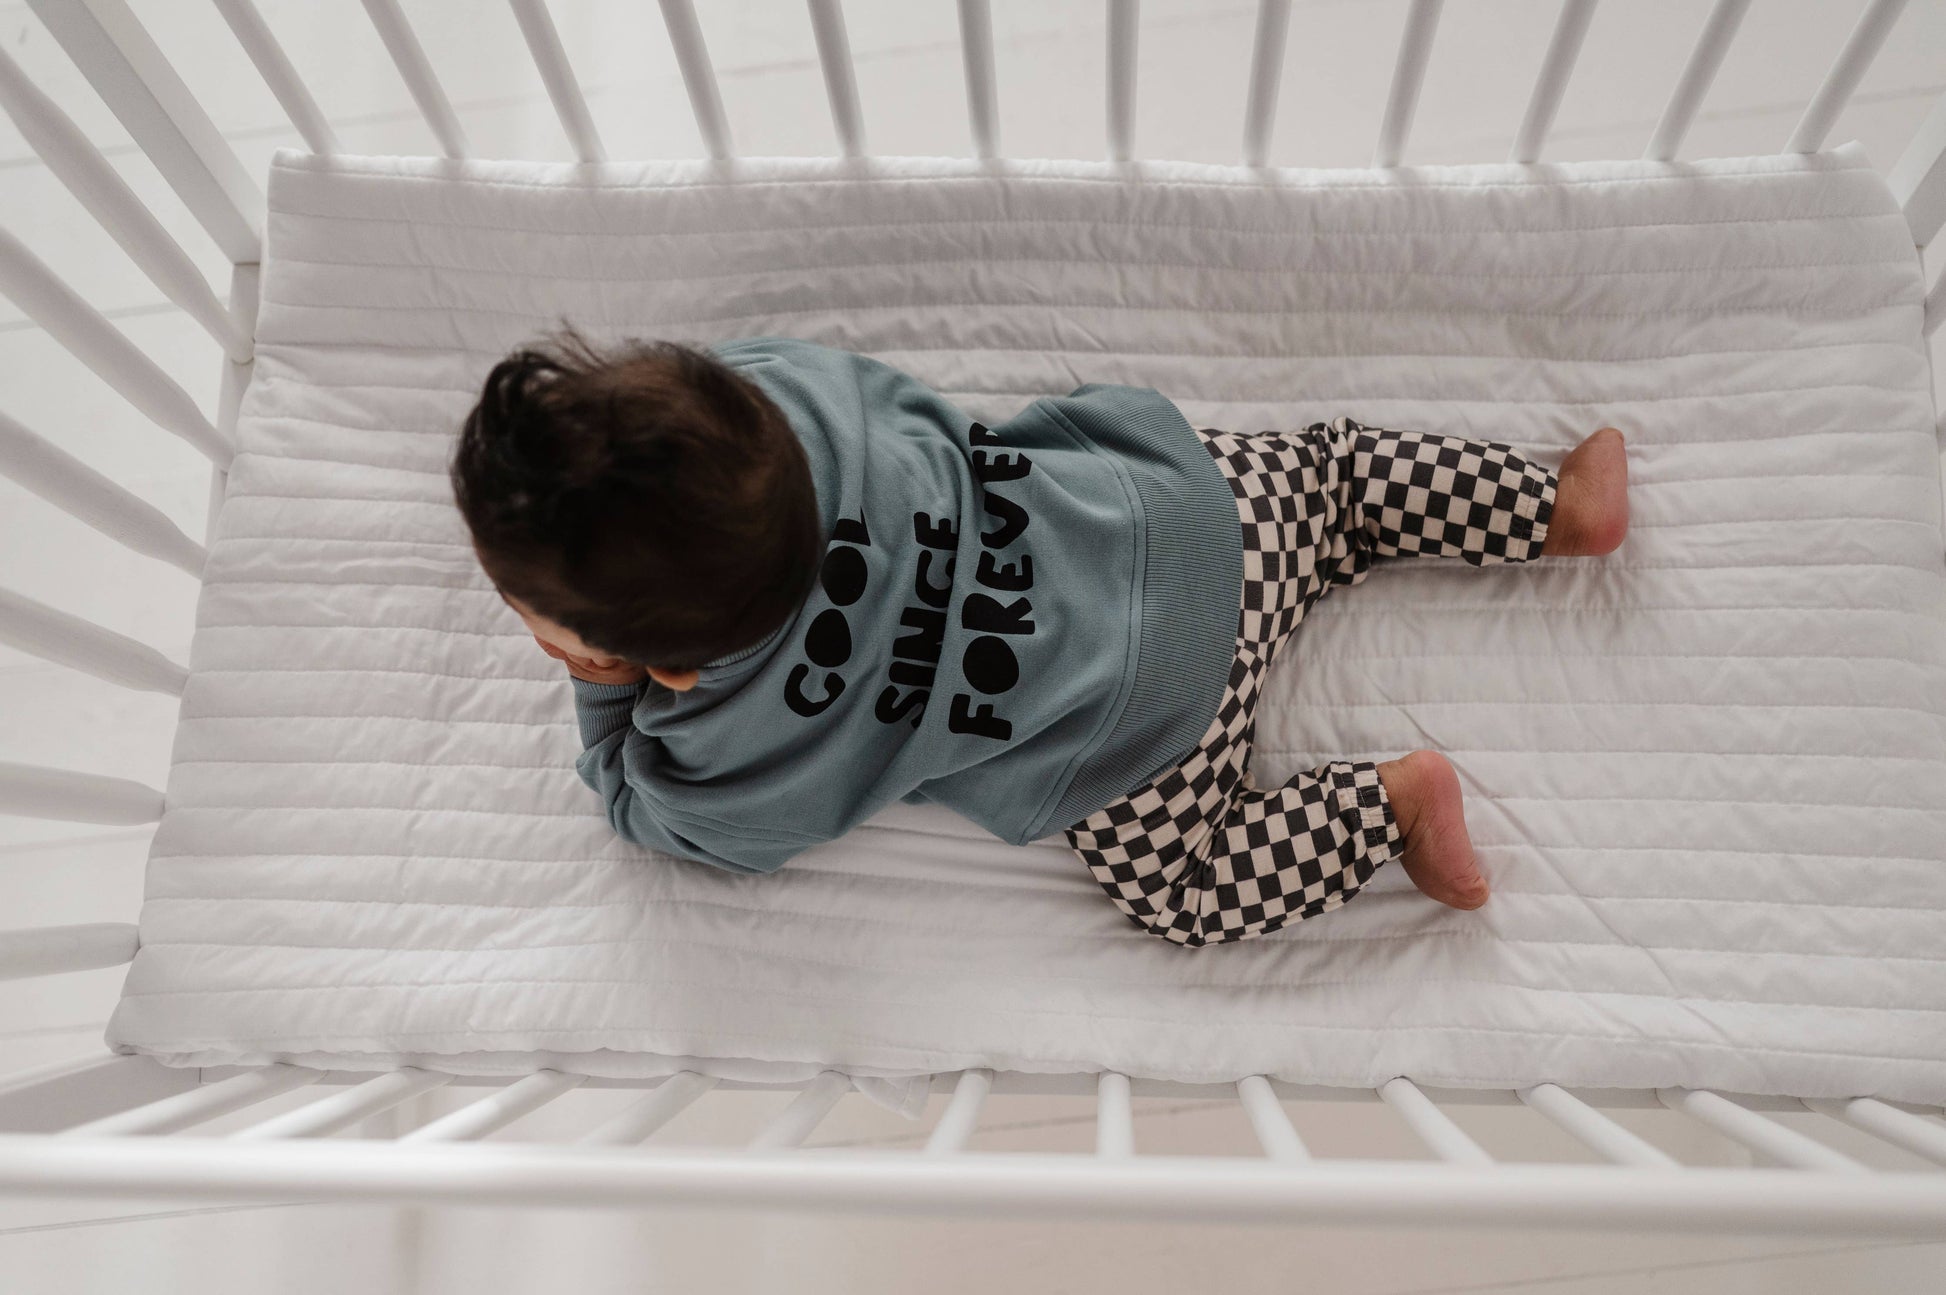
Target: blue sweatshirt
{"points": [[1020, 622]]}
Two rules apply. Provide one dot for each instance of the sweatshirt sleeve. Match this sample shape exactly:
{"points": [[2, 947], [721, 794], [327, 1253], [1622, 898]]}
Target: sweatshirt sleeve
{"points": [[614, 762]]}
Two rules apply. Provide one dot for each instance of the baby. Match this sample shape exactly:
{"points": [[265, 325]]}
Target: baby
{"points": [[793, 584]]}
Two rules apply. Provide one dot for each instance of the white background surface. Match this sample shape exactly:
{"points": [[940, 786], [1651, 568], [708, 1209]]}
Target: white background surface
{"points": [[1191, 80]]}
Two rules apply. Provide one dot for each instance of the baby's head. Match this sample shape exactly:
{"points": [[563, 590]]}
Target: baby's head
{"points": [[645, 498]]}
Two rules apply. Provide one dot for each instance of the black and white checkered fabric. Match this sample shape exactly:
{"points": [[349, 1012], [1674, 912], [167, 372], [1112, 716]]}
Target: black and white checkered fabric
{"points": [[1201, 855]]}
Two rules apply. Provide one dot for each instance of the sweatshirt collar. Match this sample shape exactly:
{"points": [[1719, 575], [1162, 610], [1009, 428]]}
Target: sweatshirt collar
{"points": [[748, 652]]}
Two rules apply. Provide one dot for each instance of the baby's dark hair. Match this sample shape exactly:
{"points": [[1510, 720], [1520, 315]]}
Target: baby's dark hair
{"points": [[646, 497]]}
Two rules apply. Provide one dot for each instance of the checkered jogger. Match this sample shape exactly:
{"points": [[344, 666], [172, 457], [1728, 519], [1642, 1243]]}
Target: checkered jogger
{"points": [[1201, 855]]}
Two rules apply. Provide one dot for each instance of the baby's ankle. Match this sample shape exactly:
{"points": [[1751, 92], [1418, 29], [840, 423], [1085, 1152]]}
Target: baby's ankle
{"points": [[1404, 787]]}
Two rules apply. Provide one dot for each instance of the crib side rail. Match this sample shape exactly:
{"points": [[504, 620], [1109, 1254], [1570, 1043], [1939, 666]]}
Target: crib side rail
{"points": [[111, 47], [117, 1114], [34, 627], [1176, 1189], [124, 1126], [120, 60]]}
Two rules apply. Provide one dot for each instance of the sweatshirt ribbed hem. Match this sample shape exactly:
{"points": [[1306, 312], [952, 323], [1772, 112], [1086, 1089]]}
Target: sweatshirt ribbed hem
{"points": [[1191, 585]]}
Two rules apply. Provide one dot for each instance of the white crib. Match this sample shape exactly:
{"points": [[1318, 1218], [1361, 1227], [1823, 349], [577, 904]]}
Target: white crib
{"points": [[94, 1126]]}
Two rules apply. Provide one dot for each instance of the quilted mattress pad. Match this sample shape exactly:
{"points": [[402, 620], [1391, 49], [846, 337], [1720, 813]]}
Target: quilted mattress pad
{"points": [[1706, 774]]}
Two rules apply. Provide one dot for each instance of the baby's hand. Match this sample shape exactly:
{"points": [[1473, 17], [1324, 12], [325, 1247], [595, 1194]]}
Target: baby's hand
{"points": [[582, 668], [620, 672]]}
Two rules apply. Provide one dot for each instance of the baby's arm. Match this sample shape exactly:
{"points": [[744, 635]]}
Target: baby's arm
{"points": [[618, 761]]}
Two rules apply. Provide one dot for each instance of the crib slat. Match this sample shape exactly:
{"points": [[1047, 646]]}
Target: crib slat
{"points": [[89, 497], [1697, 75], [537, 28], [1415, 49], [80, 166], [1274, 1130], [796, 1121], [1266, 76], [1918, 178], [1447, 1140], [68, 640], [1593, 1129], [90, 338], [962, 1113], [976, 53], [698, 77], [500, 1108], [37, 791], [1114, 1123], [147, 96], [1562, 51], [840, 82], [410, 58], [1121, 79], [199, 1104], [1743, 1125], [1925, 1138], [275, 68], [347, 1107], [1847, 70], [51, 950], [664, 1103]]}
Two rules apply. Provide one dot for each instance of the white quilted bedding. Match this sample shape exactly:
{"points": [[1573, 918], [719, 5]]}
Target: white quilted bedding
{"points": [[1706, 775]]}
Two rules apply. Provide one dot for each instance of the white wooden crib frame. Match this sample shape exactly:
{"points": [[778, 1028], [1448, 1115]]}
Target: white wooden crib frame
{"points": [[92, 1127]]}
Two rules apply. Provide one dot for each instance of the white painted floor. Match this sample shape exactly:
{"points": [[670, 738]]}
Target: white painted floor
{"points": [[1191, 82]]}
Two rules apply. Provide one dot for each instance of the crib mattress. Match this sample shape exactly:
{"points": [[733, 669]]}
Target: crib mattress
{"points": [[1706, 775]]}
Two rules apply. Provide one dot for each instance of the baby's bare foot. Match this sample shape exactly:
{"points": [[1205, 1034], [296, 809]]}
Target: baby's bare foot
{"points": [[1438, 855], [1590, 515]]}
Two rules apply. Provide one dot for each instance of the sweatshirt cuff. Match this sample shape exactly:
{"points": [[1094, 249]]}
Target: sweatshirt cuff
{"points": [[603, 708]]}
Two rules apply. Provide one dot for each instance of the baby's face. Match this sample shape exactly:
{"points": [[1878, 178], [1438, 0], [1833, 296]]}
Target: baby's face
{"points": [[559, 635], [568, 641]]}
